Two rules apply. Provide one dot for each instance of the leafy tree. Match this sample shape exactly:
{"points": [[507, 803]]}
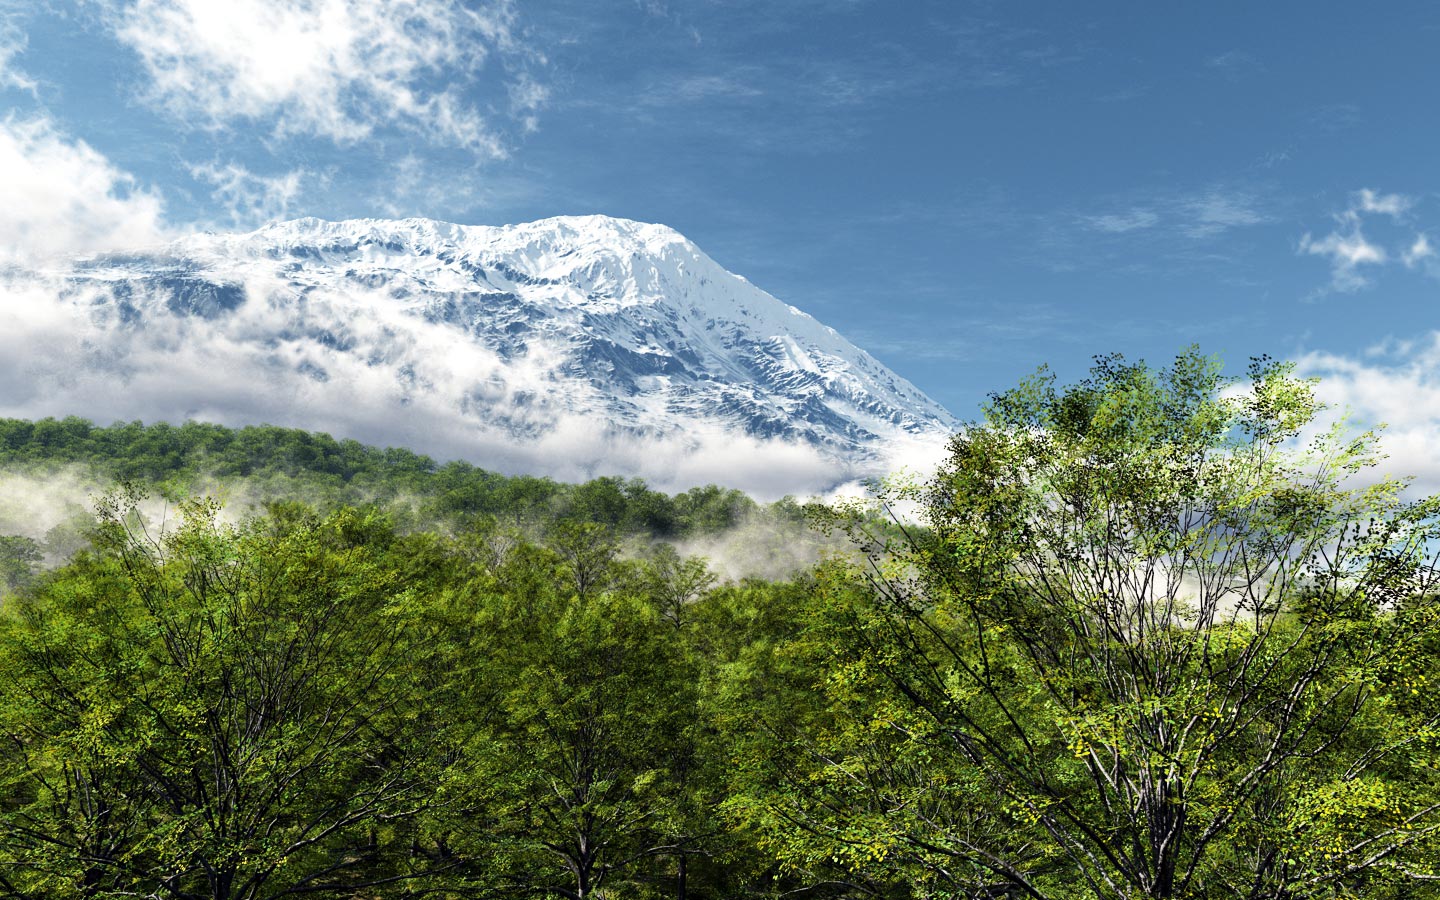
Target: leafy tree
{"points": [[570, 779], [588, 551], [75, 809], [770, 727], [1148, 644], [218, 712], [674, 582], [19, 558]]}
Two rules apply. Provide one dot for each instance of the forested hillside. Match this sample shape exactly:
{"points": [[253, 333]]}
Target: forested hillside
{"points": [[1139, 645]]}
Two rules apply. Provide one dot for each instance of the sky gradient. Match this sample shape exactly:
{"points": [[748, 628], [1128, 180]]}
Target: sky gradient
{"points": [[967, 190]]}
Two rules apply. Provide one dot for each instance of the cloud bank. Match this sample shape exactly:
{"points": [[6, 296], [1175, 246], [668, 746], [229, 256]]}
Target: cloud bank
{"points": [[1396, 385], [360, 74], [334, 69], [60, 196]]}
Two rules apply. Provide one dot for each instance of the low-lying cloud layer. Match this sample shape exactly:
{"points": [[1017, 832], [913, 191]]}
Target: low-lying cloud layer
{"points": [[384, 377], [56, 509]]}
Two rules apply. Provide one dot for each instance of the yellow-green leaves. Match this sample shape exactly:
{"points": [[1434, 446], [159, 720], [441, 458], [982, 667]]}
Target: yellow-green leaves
{"points": [[1156, 636]]}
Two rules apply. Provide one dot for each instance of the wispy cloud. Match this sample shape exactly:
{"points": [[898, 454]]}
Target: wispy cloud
{"points": [[1272, 158], [1333, 117], [415, 186], [737, 84], [1419, 251], [1392, 205], [1234, 65], [527, 98], [1347, 254], [249, 199], [1119, 223], [992, 54], [1216, 211], [1201, 215], [335, 69], [1353, 255], [60, 196], [1124, 94], [12, 45]]}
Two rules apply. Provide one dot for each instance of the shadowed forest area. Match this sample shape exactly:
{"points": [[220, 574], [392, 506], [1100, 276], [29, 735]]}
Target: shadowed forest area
{"points": [[1155, 634]]}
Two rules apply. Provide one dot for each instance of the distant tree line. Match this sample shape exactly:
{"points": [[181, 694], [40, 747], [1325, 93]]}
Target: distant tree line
{"points": [[290, 463], [1142, 643]]}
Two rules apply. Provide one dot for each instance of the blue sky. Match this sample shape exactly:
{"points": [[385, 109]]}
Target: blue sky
{"points": [[967, 190]]}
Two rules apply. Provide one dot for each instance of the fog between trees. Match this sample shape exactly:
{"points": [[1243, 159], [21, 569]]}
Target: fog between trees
{"points": [[1140, 642]]}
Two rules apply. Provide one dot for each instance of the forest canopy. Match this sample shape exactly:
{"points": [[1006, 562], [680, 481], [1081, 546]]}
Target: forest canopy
{"points": [[1151, 635]]}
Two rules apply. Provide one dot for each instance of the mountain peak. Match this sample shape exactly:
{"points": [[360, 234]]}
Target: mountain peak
{"points": [[569, 346]]}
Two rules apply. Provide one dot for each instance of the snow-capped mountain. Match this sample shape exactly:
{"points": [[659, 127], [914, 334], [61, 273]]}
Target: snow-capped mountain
{"points": [[571, 346]]}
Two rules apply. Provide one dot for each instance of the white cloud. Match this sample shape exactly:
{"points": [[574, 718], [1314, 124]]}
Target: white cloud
{"points": [[1348, 249], [1273, 158], [1234, 64], [416, 187], [1196, 216], [60, 196], [1398, 385], [526, 94], [249, 199], [337, 69], [1347, 252]]}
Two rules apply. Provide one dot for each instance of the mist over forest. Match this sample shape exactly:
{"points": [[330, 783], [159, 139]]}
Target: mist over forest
{"points": [[51, 472], [1150, 634]]}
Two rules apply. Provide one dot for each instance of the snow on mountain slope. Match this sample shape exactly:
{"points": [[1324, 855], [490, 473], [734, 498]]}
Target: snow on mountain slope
{"points": [[571, 346]]}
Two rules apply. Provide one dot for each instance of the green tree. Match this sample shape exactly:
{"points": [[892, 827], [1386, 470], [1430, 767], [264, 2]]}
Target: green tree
{"points": [[571, 779], [218, 712], [1156, 638], [772, 735], [588, 551], [75, 808], [674, 582], [19, 560]]}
